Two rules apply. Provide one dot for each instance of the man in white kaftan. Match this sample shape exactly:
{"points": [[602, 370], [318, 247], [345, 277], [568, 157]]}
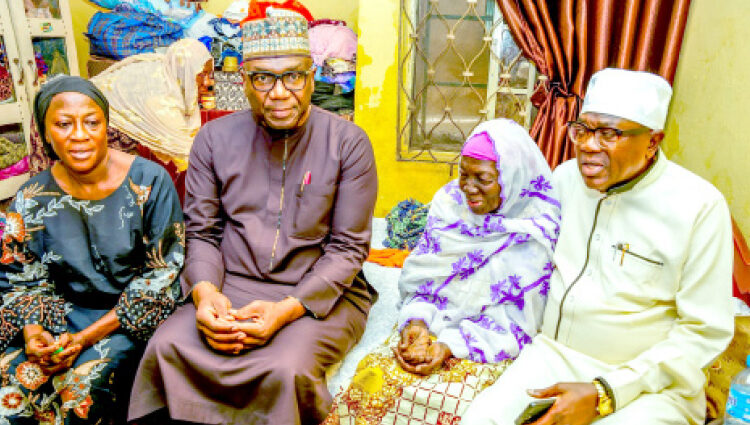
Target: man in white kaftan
{"points": [[640, 300]]}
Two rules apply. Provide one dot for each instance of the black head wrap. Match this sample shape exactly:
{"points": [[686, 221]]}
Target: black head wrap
{"points": [[61, 84]]}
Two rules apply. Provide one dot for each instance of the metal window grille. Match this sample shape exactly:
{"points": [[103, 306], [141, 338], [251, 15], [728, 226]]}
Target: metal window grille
{"points": [[458, 66]]}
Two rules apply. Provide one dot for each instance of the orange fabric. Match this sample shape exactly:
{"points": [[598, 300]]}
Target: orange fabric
{"points": [[388, 257], [569, 40], [257, 9]]}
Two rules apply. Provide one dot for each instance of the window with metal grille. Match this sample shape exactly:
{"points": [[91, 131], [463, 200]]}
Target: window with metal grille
{"points": [[458, 66]]}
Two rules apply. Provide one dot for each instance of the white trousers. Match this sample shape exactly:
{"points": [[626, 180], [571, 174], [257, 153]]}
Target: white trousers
{"points": [[544, 363]]}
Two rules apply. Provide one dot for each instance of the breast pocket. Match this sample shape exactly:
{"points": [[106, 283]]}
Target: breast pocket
{"points": [[637, 266], [312, 214]]}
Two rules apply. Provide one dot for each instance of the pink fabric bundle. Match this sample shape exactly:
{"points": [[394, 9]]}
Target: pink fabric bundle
{"points": [[481, 147], [332, 41], [16, 169]]}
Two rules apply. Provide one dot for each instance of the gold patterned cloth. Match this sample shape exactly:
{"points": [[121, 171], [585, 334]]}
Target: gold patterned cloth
{"points": [[382, 393]]}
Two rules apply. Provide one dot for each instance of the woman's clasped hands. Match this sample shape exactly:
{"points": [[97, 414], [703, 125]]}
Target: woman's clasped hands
{"points": [[417, 352], [52, 354]]}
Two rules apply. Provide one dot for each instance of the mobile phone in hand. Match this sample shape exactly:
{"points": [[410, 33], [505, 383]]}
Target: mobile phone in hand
{"points": [[535, 410]]}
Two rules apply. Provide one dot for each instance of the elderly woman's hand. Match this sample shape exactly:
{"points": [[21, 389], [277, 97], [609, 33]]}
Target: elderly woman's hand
{"points": [[415, 338], [434, 356], [417, 352]]}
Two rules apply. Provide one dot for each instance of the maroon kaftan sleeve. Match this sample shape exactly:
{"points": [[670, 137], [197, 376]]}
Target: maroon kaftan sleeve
{"points": [[203, 219], [351, 228]]}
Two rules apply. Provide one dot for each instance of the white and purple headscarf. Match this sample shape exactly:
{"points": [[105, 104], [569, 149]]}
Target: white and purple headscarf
{"points": [[480, 282]]}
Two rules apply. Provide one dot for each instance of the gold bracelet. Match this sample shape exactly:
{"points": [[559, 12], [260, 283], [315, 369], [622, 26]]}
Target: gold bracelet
{"points": [[604, 402]]}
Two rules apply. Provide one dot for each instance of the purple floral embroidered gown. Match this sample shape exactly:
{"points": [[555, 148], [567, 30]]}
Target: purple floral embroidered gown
{"points": [[480, 284]]}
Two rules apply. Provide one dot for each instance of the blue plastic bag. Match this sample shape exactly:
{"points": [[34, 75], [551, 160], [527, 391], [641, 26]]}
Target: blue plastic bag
{"points": [[139, 5], [225, 28], [125, 32], [170, 10]]}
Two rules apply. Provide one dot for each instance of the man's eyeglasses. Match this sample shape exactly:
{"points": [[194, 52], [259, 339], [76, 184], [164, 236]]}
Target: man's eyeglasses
{"points": [[604, 136], [265, 80]]}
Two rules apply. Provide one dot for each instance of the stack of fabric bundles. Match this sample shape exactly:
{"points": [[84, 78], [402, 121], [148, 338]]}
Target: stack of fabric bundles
{"points": [[334, 47], [128, 30], [14, 159], [405, 225], [225, 45]]}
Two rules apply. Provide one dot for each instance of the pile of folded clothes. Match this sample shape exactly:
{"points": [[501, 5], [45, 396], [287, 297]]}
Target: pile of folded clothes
{"points": [[141, 26], [223, 37], [129, 30], [334, 48], [405, 224], [50, 58], [14, 159]]}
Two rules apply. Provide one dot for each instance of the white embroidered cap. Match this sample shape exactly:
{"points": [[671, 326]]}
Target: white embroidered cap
{"points": [[638, 96]]}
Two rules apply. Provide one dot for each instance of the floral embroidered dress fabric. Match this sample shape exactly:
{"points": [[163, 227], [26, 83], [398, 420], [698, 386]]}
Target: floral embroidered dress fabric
{"points": [[67, 262], [480, 281]]}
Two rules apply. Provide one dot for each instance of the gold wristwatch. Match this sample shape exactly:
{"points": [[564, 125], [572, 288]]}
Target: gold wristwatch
{"points": [[604, 405]]}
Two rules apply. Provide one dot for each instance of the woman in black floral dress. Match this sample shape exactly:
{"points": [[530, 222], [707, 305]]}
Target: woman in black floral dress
{"points": [[91, 253]]}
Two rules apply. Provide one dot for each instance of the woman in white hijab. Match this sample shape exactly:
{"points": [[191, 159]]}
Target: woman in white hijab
{"points": [[472, 291], [153, 97]]}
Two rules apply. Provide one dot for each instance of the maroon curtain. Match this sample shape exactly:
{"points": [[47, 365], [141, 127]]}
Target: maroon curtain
{"points": [[569, 40], [741, 275]]}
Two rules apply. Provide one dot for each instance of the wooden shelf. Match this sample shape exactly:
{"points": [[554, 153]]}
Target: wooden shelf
{"points": [[9, 186], [10, 113], [46, 28], [19, 33]]}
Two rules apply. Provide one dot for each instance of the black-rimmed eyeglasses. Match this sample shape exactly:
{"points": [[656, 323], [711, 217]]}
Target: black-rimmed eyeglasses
{"points": [[266, 80], [605, 136]]}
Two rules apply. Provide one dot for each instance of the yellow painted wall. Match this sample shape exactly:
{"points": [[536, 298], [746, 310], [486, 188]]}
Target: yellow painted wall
{"points": [[707, 129], [376, 23], [375, 108], [83, 10]]}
